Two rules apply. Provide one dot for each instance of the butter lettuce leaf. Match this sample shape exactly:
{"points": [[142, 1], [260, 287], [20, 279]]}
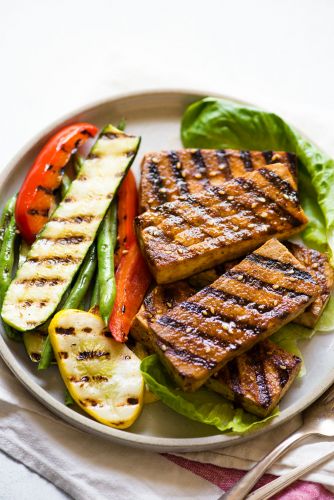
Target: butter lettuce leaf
{"points": [[203, 405], [218, 123]]}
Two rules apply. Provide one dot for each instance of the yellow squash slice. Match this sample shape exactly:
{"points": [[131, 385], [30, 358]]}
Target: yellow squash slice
{"points": [[102, 376]]}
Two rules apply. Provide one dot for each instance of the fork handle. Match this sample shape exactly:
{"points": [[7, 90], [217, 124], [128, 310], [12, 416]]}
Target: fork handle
{"points": [[240, 490]]}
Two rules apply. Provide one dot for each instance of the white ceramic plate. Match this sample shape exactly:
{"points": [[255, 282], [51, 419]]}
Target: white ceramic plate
{"points": [[156, 117]]}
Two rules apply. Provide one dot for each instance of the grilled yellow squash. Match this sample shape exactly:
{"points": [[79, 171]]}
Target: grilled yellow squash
{"points": [[102, 376]]}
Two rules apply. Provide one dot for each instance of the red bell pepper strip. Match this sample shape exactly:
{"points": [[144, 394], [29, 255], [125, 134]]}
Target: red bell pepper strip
{"points": [[36, 196], [132, 281], [127, 209]]}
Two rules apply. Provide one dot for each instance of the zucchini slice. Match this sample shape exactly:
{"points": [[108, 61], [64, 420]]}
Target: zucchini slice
{"points": [[103, 376], [62, 244]]}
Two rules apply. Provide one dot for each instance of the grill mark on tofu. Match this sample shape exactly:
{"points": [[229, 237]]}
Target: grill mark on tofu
{"points": [[40, 282], [186, 355], [84, 355], [180, 181], [200, 165], [234, 323], [280, 184], [235, 299], [264, 393], [282, 267], [223, 163], [263, 285], [292, 159], [250, 188], [267, 155], [234, 379], [156, 182], [247, 160]]}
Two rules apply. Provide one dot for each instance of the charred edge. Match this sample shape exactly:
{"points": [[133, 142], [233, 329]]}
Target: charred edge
{"points": [[234, 299], [44, 189], [222, 159], [54, 260], [247, 160], [41, 281], [222, 318], [267, 155], [249, 185], [92, 355], [65, 331], [280, 184], [264, 392], [177, 172], [263, 285], [200, 165], [195, 332], [156, 181], [282, 267], [42, 213]]}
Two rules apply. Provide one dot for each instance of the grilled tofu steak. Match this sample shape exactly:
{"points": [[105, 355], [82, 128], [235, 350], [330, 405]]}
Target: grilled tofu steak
{"points": [[258, 379], [266, 290], [198, 232], [318, 265], [166, 175]]}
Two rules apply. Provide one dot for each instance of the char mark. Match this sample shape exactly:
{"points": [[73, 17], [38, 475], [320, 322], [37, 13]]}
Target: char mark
{"points": [[78, 219], [83, 355], [249, 186], [247, 160], [68, 240], [69, 259], [199, 163], [233, 371], [39, 282], [224, 164], [264, 392], [293, 163], [156, 181], [44, 189], [177, 172], [282, 267], [280, 184], [195, 332], [65, 331], [235, 299], [267, 155], [233, 322], [186, 355], [263, 285]]}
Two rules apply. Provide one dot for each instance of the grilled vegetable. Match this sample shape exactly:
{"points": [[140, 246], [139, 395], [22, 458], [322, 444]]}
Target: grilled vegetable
{"points": [[127, 209], [268, 289], [36, 197], [197, 232], [132, 280], [318, 265], [73, 301], [102, 376], [166, 175], [95, 298], [61, 247], [106, 242], [258, 379], [7, 257], [65, 185]]}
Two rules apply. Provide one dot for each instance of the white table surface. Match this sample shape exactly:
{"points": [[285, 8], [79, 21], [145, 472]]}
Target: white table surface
{"points": [[56, 56]]}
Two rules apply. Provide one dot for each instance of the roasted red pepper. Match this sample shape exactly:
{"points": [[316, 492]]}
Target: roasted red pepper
{"points": [[127, 209], [132, 281], [36, 196]]}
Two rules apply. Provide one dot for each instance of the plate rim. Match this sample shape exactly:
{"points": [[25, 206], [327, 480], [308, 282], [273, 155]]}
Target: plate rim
{"points": [[84, 423]]}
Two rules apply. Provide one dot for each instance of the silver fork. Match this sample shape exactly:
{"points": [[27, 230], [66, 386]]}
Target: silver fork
{"points": [[318, 420]]}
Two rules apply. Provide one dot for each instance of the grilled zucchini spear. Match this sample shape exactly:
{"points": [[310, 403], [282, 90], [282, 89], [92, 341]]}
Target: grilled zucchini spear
{"points": [[61, 246], [103, 376]]}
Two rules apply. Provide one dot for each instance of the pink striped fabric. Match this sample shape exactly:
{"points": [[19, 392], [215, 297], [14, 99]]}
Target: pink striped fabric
{"points": [[226, 478]]}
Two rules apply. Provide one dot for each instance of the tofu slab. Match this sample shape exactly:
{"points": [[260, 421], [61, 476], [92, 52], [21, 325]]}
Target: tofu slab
{"points": [[198, 232], [318, 265], [258, 379], [266, 290], [166, 175]]}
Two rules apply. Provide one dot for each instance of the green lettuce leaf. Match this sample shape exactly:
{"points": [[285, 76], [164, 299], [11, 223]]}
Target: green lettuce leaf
{"points": [[217, 123], [326, 321], [203, 405]]}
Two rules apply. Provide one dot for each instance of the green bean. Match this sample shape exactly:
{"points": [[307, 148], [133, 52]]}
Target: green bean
{"points": [[7, 258], [77, 163], [68, 400], [73, 301], [65, 184], [95, 298], [106, 242], [122, 124]]}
